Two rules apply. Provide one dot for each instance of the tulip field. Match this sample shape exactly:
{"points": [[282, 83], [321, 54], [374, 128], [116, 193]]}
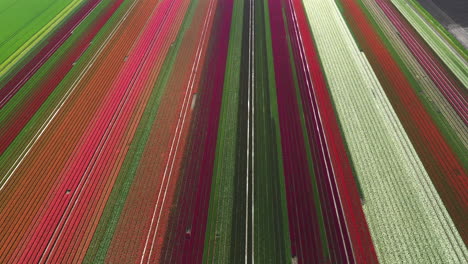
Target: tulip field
{"points": [[232, 131]]}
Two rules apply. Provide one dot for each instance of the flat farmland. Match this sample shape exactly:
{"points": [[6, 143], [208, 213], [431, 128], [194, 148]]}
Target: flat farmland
{"points": [[209, 131]]}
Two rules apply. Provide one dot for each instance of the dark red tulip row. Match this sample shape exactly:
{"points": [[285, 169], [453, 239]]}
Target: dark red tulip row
{"points": [[306, 243], [197, 168]]}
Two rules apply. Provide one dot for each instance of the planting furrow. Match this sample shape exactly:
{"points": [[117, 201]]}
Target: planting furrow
{"points": [[250, 155]]}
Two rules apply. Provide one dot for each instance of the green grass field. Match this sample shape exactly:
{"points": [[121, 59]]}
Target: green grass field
{"points": [[25, 23]]}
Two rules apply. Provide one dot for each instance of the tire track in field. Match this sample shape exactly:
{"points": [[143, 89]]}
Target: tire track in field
{"points": [[250, 168]]}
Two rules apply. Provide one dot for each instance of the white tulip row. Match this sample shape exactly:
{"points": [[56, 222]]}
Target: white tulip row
{"points": [[406, 217]]}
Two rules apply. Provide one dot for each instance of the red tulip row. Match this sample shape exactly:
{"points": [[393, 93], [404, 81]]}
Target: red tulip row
{"points": [[30, 180], [158, 176], [66, 217]]}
